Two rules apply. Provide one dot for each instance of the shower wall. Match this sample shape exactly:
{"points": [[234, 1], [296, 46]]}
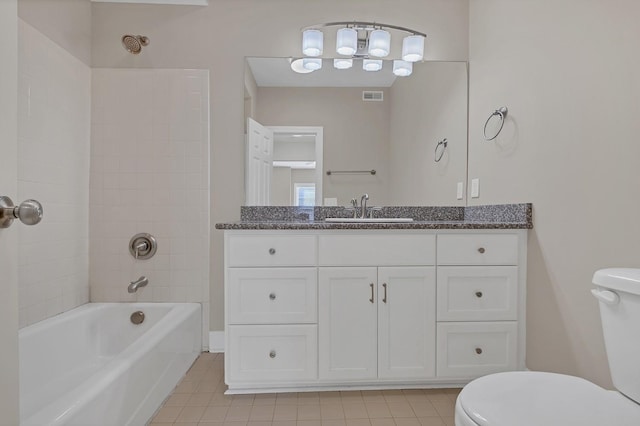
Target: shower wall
{"points": [[150, 173], [54, 104]]}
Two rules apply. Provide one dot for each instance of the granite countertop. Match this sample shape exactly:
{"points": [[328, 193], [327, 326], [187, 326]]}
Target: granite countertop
{"points": [[503, 216]]}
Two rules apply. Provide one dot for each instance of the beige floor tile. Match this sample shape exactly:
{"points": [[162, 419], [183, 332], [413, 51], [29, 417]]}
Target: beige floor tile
{"points": [[286, 399], [308, 423], [432, 421], [214, 414], [190, 414], [285, 413], [199, 399], [261, 413], [331, 412], [401, 409], [355, 411], [309, 412], [333, 423], [186, 387], [382, 422], [358, 422], [423, 409], [265, 423], [220, 399], [378, 410], [449, 421], [161, 424], [444, 408], [265, 399], [201, 423], [238, 414], [186, 423], [373, 396], [395, 398], [234, 423], [439, 397], [207, 387], [178, 399], [283, 423], [167, 414], [242, 400], [407, 421]]}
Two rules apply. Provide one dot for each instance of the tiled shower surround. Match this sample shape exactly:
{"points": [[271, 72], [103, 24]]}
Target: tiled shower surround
{"points": [[150, 173], [54, 104]]}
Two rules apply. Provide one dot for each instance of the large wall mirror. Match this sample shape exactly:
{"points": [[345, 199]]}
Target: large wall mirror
{"points": [[317, 138]]}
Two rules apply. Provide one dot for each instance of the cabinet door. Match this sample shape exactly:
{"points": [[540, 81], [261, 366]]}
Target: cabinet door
{"points": [[347, 323], [407, 322]]}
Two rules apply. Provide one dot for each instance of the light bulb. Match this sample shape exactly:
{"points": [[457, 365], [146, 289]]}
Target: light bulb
{"points": [[312, 64], [372, 64], [413, 48], [402, 68], [342, 63], [347, 41], [312, 41], [379, 43]]}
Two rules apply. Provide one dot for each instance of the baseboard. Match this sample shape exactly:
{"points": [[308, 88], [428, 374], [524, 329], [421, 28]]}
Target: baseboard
{"points": [[216, 341]]}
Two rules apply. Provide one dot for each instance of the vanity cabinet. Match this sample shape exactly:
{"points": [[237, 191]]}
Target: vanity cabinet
{"points": [[337, 309]]}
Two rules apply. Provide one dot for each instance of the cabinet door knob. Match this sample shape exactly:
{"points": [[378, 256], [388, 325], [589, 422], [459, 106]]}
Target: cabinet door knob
{"points": [[272, 354], [272, 296], [481, 250], [479, 351], [384, 298], [371, 299], [478, 294], [272, 251]]}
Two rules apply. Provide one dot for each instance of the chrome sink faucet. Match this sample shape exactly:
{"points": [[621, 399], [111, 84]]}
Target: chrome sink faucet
{"points": [[140, 282], [363, 206]]}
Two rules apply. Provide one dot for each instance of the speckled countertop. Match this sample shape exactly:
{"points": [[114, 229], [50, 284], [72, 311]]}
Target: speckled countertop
{"points": [[502, 216]]}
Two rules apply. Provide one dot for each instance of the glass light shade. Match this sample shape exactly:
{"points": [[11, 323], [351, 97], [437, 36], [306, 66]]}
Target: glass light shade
{"points": [[342, 63], [312, 63], [372, 64], [312, 42], [347, 41], [298, 66], [402, 68], [413, 48], [379, 43]]}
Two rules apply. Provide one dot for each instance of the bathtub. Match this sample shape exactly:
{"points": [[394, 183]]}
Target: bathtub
{"points": [[93, 366]]}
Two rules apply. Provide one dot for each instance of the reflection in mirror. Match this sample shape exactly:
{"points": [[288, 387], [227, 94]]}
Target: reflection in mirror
{"points": [[368, 121]]}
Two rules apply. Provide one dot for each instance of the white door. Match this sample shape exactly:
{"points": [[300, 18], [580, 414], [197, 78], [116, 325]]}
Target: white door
{"points": [[9, 410], [407, 322], [347, 324], [259, 164]]}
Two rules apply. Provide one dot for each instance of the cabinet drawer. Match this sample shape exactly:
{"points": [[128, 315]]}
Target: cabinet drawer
{"points": [[274, 353], [474, 349], [376, 250], [271, 250], [272, 295], [478, 249], [477, 293]]}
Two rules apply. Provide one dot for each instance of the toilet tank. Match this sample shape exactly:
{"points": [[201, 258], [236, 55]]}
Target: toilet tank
{"points": [[618, 291]]}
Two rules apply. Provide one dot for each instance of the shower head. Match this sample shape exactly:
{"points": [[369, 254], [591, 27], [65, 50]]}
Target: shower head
{"points": [[134, 44]]}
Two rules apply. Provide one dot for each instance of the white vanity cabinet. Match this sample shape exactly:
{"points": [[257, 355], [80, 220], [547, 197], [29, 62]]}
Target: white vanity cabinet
{"points": [[337, 309]]}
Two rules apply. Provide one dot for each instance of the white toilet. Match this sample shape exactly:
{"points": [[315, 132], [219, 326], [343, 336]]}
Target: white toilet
{"points": [[528, 398]]}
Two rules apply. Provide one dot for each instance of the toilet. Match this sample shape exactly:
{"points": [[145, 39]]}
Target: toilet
{"points": [[528, 398]]}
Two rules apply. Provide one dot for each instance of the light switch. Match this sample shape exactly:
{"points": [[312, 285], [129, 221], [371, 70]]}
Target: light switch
{"points": [[460, 190], [475, 188]]}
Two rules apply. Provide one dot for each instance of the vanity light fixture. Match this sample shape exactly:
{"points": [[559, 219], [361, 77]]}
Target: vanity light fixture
{"points": [[364, 40]]}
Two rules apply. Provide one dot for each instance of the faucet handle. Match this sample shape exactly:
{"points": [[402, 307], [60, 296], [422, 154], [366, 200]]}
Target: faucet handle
{"points": [[374, 209]]}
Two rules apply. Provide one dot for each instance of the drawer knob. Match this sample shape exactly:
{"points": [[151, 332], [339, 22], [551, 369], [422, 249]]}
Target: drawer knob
{"points": [[272, 251], [479, 351], [481, 250], [272, 296], [272, 354], [478, 294]]}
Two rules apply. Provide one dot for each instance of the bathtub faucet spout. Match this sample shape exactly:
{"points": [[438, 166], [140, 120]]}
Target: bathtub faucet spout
{"points": [[140, 282]]}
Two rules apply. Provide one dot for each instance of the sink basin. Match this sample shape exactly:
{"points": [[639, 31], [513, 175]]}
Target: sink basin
{"points": [[369, 220]]}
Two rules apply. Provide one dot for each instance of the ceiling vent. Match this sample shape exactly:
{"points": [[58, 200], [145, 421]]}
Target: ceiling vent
{"points": [[370, 95]]}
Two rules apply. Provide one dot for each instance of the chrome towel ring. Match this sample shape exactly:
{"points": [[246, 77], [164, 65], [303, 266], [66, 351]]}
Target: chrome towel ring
{"points": [[443, 143], [502, 113]]}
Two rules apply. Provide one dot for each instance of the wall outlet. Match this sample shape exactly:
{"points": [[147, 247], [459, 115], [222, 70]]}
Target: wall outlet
{"points": [[475, 188], [460, 190]]}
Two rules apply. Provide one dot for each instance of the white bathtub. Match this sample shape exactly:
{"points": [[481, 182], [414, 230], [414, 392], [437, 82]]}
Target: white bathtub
{"points": [[92, 366]]}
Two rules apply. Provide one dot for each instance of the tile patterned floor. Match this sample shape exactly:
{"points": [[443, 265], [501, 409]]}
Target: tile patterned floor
{"points": [[199, 400]]}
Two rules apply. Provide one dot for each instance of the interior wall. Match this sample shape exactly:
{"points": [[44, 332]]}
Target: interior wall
{"points": [[9, 380], [568, 72], [150, 174], [66, 22], [422, 115], [355, 134], [54, 106], [219, 36]]}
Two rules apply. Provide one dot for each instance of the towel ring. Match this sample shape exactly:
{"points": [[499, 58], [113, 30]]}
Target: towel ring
{"points": [[502, 113], [444, 144]]}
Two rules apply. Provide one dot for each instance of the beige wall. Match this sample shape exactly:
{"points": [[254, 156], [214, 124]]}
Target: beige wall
{"points": [[568, 72], [66, 22], [422, 115], [355, 134], [219, 36], [9, 386]]}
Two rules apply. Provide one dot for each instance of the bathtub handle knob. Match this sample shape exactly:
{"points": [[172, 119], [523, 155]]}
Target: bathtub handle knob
{"points": [[272, 354], [272, 251], [272, 296]]}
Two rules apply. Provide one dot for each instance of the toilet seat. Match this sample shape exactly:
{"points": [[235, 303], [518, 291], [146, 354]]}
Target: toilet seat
{"points": [[529, 398]]}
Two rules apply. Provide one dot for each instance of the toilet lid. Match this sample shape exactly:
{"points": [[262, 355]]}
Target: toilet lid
{"points": [[529, 398]]}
